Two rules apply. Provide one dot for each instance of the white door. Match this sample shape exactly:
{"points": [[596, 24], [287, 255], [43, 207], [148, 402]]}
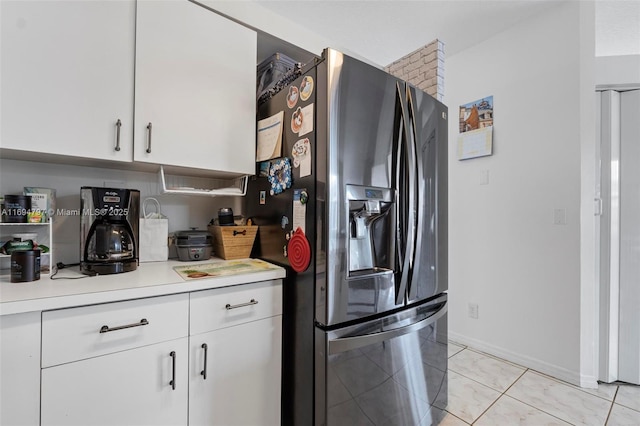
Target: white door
{"points": [[620, 236], [132, 387], [243, 380], [67, 77], [195, 88]]}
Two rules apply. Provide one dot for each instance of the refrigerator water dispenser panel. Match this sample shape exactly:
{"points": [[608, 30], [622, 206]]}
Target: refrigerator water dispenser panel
{"points": [[371, 242]]}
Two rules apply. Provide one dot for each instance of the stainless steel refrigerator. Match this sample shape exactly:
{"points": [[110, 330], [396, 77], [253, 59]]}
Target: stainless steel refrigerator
{"points": [[365, 321]]}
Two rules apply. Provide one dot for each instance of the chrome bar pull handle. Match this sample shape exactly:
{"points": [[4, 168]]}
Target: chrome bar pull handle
{"points": [[249, 303], [173, 370], [149, 139], [203, 373], [118, 126], [106, 328]]}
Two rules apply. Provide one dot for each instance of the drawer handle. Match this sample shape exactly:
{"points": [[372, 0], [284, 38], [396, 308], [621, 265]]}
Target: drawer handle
{"points": [[173, 370], [106, 328], [203, 373], [252, 302]]}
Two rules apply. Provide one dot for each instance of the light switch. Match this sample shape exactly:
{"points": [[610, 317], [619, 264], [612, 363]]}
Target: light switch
{"points": [[560, 216], [484, 177]]}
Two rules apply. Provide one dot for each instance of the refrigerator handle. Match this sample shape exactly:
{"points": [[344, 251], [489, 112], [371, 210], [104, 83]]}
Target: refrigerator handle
{"points": [[402, 213], [409, 193], [344, 344], [418, 191]]}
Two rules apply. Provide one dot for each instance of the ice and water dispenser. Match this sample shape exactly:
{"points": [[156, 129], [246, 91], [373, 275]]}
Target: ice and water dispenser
{"points": [[372, 230]]}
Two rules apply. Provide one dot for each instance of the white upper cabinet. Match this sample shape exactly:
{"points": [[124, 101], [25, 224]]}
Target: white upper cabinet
{"points": [[67, 77], [67, 83], [195, 88]]}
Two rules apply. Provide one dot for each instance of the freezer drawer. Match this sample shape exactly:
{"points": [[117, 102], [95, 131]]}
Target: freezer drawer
{"points": [[390, 371]]}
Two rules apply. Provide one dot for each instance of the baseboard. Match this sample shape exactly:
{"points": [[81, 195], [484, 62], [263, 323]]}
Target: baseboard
{"points": [[560, 373]]}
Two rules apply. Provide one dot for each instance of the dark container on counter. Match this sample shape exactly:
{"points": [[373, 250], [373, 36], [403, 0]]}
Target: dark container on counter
{"points": [[225, 216], [16, 208], [25, 266]]}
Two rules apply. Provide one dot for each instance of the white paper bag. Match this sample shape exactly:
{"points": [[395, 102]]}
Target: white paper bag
{"points": [[154, 233]]}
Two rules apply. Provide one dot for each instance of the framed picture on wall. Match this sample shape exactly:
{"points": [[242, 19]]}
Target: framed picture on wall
{"points": [[476, 129]]}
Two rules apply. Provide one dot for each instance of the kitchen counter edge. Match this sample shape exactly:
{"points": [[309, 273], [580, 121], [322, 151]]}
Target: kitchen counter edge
{"points": [[149, 280]]}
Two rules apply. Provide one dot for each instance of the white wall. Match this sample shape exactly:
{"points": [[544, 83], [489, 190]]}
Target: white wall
{"points": [[254, 15], [618, 71], [506, 254], [183, 211]]}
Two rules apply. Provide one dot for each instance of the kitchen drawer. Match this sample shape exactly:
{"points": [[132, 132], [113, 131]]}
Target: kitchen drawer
{"points": [[79, 333], [228, 306]]}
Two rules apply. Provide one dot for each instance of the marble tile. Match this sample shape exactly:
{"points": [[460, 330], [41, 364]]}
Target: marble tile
{"points": [[508, 411], [440, 417], [623, 416], [487, 370], [451, 420], [560, 400], [604, 390], [467, 399], [629, 396], [454, 349]]}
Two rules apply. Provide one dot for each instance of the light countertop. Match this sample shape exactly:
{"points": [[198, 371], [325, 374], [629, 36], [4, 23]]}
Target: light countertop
{"points": [[148, 280]]}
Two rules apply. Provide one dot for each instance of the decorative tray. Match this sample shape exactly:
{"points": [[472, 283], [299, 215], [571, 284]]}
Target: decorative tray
{"points": [[223, 268]]}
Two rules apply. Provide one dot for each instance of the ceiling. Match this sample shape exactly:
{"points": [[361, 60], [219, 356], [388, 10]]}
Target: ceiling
{"points": [[383, 31]]}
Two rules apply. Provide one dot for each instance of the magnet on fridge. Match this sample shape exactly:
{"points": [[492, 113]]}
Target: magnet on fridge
{"points": [[296, 120], [306, 87], [292, 96], [299, 251], [301, 154], [304, 197], [280, 176], [264, 169], [284, 222], [263, 197]]}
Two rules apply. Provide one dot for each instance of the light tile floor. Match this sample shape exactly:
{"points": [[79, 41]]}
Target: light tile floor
{"points": [[488, 391]]}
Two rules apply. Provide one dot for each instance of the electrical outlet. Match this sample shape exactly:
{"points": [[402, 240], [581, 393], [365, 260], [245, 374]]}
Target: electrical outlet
{"points": [[473, 310]]}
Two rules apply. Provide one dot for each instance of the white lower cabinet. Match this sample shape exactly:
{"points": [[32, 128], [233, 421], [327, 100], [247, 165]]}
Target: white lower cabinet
{"points": [[116, 363], [210, 357], [236, 352], [143, 386], [242, 367], [20, 369]]}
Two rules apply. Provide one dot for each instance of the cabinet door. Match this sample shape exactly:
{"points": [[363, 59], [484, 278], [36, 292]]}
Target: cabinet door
{"points": [[20, 369], [67, 77], [126, 388], [242, 385], [195, 86]]}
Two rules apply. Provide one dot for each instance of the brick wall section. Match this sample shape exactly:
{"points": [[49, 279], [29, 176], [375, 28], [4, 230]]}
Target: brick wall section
{"points": [[424, 68]]}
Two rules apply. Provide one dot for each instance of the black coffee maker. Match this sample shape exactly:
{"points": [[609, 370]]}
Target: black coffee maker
{"points": [[108, 230]]}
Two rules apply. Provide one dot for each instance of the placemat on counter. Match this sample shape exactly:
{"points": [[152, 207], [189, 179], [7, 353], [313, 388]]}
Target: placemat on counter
{"points": [[218, 269]]}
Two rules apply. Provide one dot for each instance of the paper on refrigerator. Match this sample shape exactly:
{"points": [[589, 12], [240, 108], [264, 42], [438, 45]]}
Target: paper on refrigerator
{"points": [[270, 137]]}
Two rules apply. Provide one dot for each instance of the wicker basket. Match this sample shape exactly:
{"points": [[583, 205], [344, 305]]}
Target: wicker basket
{"points": [[233, 242]]}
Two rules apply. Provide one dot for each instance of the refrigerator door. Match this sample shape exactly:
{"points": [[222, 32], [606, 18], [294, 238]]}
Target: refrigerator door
{"points": [[364, 121], [390, 371], [428, 133]]}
